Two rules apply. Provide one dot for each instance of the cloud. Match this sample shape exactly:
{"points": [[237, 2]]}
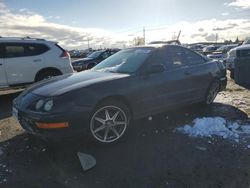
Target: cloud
{"points": [[229, 26], [224, 13], [205, 30], [27, 23], [244, 4]]}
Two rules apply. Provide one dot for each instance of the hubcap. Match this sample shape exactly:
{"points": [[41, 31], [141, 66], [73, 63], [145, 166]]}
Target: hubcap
{"points": [[108, 124], [212, 93]]}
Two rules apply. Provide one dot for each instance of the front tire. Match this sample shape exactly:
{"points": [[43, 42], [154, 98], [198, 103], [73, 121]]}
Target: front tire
{"points": [[109, 122]]}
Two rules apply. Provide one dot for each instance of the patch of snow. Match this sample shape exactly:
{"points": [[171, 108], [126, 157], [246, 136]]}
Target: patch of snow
{"points": [[113, 68], [215, 126]]}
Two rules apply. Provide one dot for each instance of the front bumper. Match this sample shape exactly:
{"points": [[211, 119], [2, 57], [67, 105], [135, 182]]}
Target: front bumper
{"points": [[78, 123]]}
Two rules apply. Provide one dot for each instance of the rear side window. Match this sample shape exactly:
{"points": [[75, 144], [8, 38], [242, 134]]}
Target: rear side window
{"points": [[14, 50], [36, 49], [171, 57], [174, 57], [192, 58]]}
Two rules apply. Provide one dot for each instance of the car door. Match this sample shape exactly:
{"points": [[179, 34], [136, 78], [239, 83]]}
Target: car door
{"points": [[198, 75], [175, 83], [21, 63], [3, 79], [242, 67], [166, 89]]}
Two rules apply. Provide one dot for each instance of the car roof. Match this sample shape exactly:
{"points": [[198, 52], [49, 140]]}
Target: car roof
{"points": [[24, 40], [153, 46], [243, 47]]}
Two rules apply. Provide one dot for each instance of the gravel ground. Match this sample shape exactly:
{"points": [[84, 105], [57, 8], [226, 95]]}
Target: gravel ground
{"points": [[152, 155]]}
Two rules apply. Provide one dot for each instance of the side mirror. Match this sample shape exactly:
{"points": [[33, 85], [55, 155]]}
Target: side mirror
{"points": [[157, 68]]}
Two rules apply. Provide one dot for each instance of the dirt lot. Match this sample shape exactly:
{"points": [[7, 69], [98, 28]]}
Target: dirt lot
{"points": [[153, 155]]}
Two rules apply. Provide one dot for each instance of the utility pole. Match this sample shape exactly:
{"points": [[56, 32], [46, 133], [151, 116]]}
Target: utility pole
{"points": [[144, 35], [88, 42], [216, 37], [179, 35]]}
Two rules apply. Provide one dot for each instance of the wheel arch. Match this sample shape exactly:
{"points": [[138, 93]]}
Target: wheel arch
{"points": [[45, 70], [118, 98]]}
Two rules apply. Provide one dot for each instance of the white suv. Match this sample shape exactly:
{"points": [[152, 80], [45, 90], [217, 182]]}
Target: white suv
{"points": [[27, 60]]}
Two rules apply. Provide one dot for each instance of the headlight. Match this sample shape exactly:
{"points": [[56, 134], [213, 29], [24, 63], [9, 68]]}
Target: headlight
{"points": [[39, 104], [48, 105]]}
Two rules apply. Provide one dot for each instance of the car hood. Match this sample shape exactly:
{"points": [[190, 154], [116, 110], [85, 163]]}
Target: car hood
{"points": [[65, 83], [82, 60]]}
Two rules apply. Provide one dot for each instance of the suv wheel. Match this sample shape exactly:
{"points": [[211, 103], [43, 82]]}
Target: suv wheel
{"points": [[47, 75], [109, 122]]}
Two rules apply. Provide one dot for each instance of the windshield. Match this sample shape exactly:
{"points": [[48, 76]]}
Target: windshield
{"points": [[125, 61], [95, 54], [222, 48]]}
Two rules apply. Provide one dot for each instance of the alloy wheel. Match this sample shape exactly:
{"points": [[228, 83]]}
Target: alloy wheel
{"points": [[108, 124]]}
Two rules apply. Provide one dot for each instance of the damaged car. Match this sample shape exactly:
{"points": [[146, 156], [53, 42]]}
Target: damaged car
{"points": [[133, 83]]}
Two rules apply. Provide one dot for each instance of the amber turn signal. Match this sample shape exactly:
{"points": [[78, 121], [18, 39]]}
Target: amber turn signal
{"points": [[52, 125]]}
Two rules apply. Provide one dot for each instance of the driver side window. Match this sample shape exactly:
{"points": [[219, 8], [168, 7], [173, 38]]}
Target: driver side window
{"points": [[171, 57]]}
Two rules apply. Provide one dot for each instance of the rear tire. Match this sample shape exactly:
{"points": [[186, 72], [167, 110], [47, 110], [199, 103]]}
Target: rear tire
{"points": [[47, 75], [212, 92], [109, 122]]}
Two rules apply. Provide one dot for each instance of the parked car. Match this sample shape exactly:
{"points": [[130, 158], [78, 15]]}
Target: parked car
{"points": [[241, 53], [93, 59], [197, 47], [210, 49], [221, 53], [133, 83], [247, 41], [26, 60]]}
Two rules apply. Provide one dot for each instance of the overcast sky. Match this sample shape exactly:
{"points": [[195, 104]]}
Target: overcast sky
{"points": [[113, 23]]}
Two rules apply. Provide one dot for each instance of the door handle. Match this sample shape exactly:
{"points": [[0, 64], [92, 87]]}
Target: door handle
{"points": [[1, 64]]}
